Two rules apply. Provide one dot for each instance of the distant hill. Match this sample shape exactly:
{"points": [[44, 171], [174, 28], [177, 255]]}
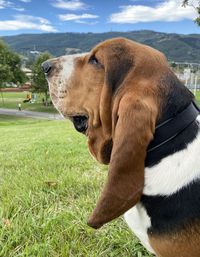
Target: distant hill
{"points": [[176, 47]]}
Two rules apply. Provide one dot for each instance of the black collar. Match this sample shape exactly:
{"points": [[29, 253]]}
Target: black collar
{"points": [[169, 130]]}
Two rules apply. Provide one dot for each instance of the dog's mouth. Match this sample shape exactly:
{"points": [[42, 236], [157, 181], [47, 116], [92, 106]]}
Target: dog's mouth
{"points": [[80, 123]]}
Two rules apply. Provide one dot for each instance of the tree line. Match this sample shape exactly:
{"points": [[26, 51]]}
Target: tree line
{"points": [[10, 64], [11, 72]]}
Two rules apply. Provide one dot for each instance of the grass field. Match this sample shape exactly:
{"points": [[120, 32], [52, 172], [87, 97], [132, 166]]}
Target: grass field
{"points": [[198, 97], [11, 101], [48, 186]]}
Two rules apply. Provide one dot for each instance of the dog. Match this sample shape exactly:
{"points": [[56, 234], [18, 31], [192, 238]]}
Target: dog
{"points": [[144, 123]]}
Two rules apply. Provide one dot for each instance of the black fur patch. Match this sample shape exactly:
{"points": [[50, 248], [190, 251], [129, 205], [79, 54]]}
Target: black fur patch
{"points": [[171, 213]]}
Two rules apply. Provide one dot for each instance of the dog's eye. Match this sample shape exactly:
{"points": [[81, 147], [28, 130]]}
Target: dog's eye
{"points": [[80, 123], [93, 60]]}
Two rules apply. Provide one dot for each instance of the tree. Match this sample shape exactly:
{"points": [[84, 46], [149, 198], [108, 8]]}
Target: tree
{"points": [[40, 84], [190, 3], [10, 64]]}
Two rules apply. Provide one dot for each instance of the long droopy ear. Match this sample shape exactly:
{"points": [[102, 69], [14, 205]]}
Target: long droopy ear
{"points": [[132, 134], [118, 62]]}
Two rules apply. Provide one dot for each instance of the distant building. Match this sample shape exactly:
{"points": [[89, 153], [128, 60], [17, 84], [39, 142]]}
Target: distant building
{"points": [[35, 52], [25, 87], [69, 50]]}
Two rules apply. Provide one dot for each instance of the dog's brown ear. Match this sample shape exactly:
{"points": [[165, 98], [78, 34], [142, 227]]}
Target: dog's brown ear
{"points": [[133, 132], [118, 63]]}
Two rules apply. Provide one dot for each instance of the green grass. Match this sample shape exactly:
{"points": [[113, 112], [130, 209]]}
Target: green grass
{"points": [[10, 100], [49, 185], [198, 97]]}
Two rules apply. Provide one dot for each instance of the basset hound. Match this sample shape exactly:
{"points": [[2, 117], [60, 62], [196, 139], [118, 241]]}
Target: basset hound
{"points": [[143, 122]]}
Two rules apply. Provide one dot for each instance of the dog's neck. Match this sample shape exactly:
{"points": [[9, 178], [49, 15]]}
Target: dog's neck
{"points": [[173, 135], [176, 126]]}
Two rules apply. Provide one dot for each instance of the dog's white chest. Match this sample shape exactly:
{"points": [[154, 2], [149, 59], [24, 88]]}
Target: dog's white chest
{"points": [[138, 221]]}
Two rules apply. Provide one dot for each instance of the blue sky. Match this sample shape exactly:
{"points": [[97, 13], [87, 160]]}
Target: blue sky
{"points": [[43, 16]]}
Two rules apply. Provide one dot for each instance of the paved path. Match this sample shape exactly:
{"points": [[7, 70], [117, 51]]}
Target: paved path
{"points": [[38, 115]]}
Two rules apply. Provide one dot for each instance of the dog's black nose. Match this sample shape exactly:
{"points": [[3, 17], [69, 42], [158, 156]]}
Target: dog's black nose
{"points": [[46, 67]]}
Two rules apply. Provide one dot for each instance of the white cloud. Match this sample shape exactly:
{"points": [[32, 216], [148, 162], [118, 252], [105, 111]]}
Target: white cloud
{"points": [[5, 4], [25, 1], [27, 22], [86, 22], [19, 9], [72, 5], [30, 18], [75, 17], [147, 1], [169, 10]]}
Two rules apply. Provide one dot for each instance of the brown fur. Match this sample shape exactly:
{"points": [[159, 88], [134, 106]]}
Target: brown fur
{"points": [[122, 100], [184, 243]]}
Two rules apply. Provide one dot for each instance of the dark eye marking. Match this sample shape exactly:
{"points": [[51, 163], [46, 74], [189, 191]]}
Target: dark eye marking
{"points": [[94, 61]]}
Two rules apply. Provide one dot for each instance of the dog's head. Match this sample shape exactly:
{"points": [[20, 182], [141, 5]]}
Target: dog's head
{"points": [[113, 96]]}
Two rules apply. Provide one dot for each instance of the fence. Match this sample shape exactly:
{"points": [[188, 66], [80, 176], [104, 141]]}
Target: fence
{"points": [[189, 74]]}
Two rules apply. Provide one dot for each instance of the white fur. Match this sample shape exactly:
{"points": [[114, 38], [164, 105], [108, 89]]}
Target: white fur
{"points": [[138, 221], [67, 63], [175, 171], [60, 81], [167, 177]]}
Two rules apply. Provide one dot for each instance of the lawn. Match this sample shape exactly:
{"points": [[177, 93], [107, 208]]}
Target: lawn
{"points": [[49, 186], [198, 97], [11, 100]]}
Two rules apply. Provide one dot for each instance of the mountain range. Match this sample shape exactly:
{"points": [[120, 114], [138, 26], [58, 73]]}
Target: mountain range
{"points": [[177, 47]]}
